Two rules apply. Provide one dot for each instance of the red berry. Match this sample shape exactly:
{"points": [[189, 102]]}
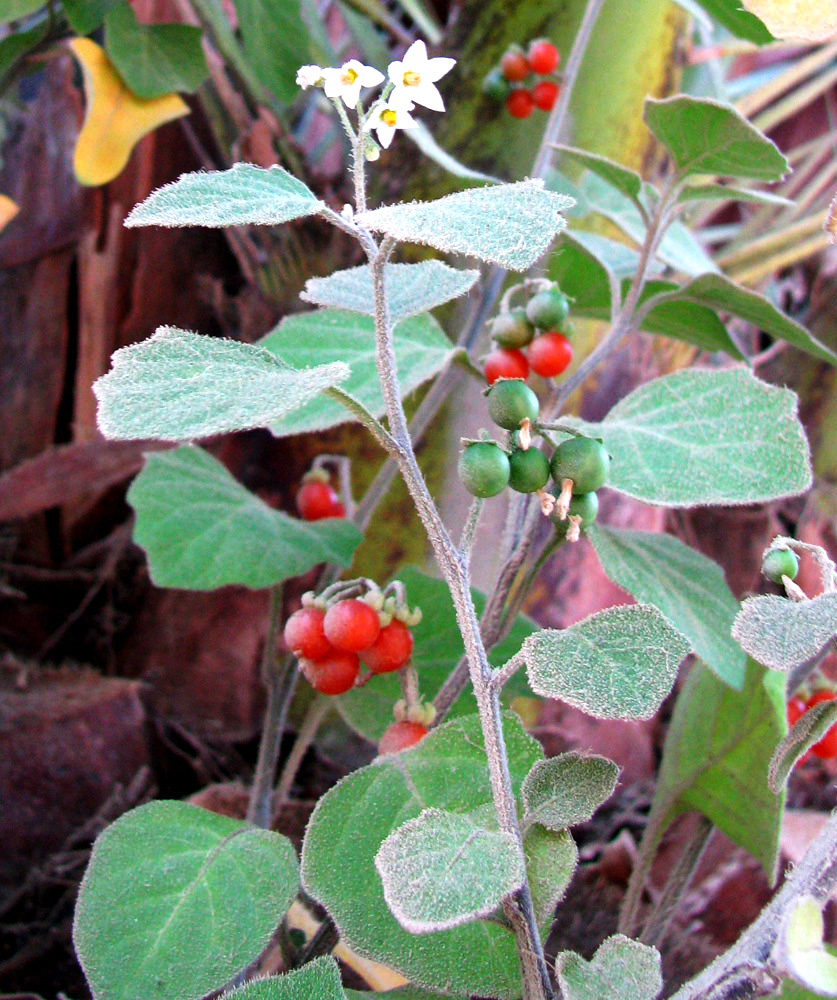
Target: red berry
{"points": [[335, 673], [520, 103], [543, 57], [316, 500], [506, 362], [545, 94], [826, 749], [796, 709], [514, 66], [304, 634], [351, 625], [401, 735], [550, 354], [391, 650]]}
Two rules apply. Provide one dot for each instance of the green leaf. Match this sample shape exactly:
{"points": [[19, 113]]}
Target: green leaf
{"points": [[352, 820], [411, 288], [707, 137], [617, 664], [716, 759], [622, 260], [275, 42], [17, 44], [241, 196], [718, 292], [622, 178], [178, 386], [806, 733], [85, 16], [202, 529], [809, 962], [688, 588], [783, 634], [507, 224], [705, 437], [331, 337], [157, 59], [551, 859], [437, 649], [14, 10], [441, 870], [566, 790], [177, 900], [722, 192], [317, 980], [403, 993], [740, 22], [423, 138], [583, 275], [620, 969], [685, 320]]}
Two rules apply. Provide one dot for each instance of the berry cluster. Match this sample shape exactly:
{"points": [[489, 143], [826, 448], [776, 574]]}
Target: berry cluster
{"points": [[317, 498], [826, 749], [579, 466], [508, 81], [531, 338]]}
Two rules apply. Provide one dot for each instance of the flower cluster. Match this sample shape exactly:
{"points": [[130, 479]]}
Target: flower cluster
{"points": [[411, 81]]}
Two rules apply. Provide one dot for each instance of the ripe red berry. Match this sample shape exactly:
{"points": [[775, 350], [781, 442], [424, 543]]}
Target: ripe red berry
{"points": [[304, 634], [335, 673], [351, 625], [550, 354], [543, 57], [506, 362], [401, 735], [316, 500], [545, 94], [391, 650], [826, 749], [520, 103], [514, 66]]}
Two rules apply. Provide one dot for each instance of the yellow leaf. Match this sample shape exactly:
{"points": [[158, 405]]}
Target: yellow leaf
{"points": [[116, 119], [831, 221], [8, 210], [803, 20]]}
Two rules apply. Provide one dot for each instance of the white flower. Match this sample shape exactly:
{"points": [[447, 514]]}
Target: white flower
{"points": [[309, 76], [386, 118], [347, 81], [415, 77]]}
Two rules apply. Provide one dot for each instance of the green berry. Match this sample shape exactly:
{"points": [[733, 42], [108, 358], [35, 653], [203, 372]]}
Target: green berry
{"points": [[584, 460], [778, 563], [583, 505], [512, 329], [529, 470], [548, 310], [510, 402], [484, 469], [496, 86]]}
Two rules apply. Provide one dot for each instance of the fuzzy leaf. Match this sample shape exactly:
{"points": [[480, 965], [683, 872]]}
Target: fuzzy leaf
{"points": [[438, 648], [783, 634], [806, 733], [423, 138], [716, 759], [583, 275], [447, 771], [551, 859], [685, 320], [275, 42], [178, 386], [622, 178], [566, 790], [202, 529], [617, 664], [411, 288], [707, 137], [317, 980], [329, 336], [440, 870], [177, 900], [723, 192], [619, 970], [507, 224], [705, 437], [241, 196], [617, 257], [688, 588]]}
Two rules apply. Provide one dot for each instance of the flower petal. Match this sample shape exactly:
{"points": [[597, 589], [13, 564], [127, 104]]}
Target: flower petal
{"points": [[436, 68]]}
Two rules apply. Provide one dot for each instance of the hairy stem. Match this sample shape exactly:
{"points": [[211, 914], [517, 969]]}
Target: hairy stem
{"points": [[304, 738]]}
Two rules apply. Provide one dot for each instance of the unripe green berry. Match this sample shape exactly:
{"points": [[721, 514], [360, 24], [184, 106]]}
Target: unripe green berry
{"points": [[484, 469], [778, 563], [584, 460], [583, 505], [529, 470], [510, 402], [512, 329], [496, 86], [548, 310]]}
